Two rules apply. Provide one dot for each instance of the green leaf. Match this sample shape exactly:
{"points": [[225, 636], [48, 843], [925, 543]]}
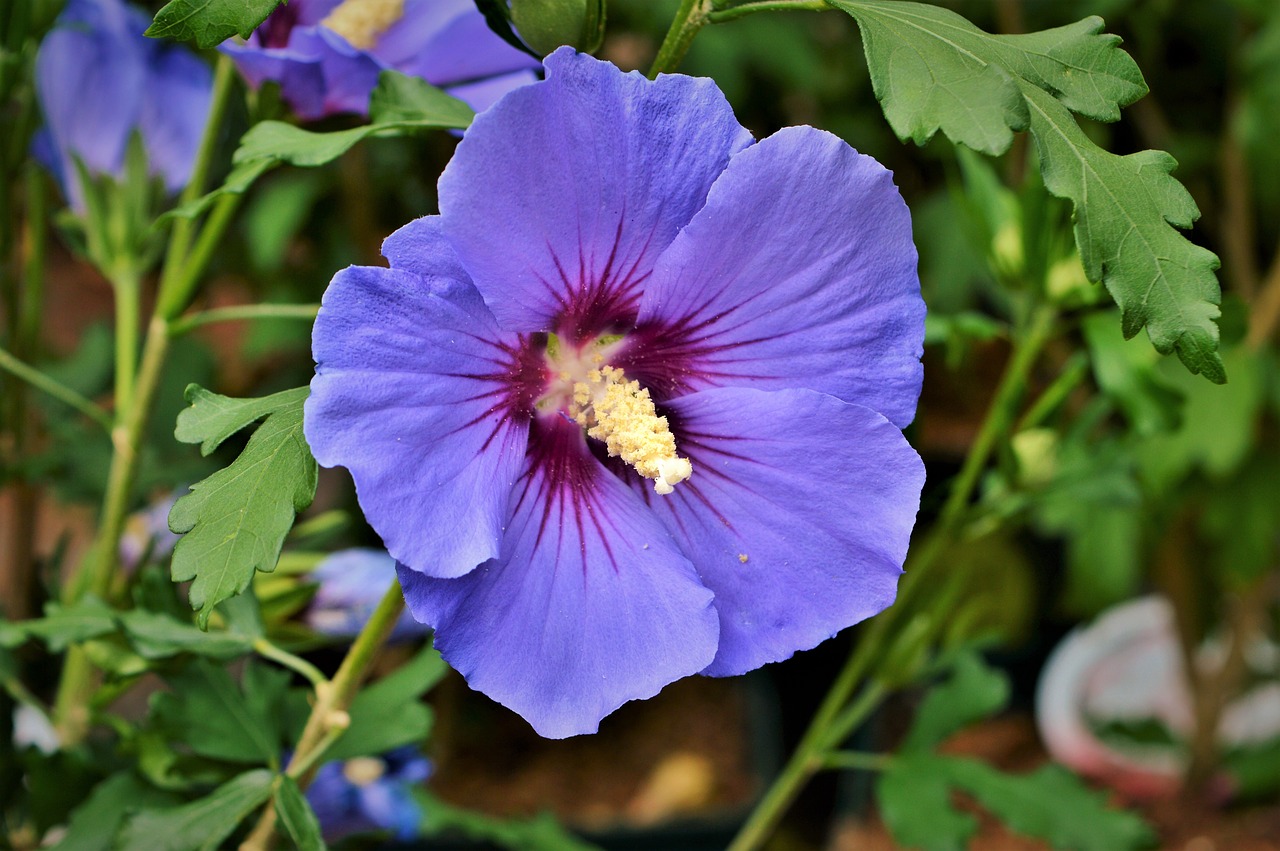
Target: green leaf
{"points": [[973, 692], [62, 625], [387, 714], [296, 815], [540, 833], [235, 521], [1126, 212], [158, 636], [94, 824], [400, 99], [201, 825], [914, 797], [208, 712], [398, 105], [210, 22], [1051, 804], [242, 177], [931, 69]]}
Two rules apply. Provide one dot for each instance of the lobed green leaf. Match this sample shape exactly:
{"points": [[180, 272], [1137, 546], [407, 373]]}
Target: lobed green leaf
{"points": [[1051, 804], [210, 22], [203, 824], [933, 70], [914, 797], [972, 692], [235, 521], [208, 712]]}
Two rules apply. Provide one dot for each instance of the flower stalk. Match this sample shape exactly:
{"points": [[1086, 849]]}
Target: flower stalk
{"points": [[691, 17], [329, 714], [837, 718], [181, 273]]}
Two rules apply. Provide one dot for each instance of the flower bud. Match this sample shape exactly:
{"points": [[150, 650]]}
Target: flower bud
{"points": [[544, 25]]}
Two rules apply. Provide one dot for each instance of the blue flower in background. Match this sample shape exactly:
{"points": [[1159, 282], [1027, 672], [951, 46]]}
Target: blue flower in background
{"points": [[99, 80], [630, 407], [327, 54], [370, 793], [351, 584]]}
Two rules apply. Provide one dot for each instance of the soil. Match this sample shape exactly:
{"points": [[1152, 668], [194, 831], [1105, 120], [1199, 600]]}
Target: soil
{"points": [[688, 750]]}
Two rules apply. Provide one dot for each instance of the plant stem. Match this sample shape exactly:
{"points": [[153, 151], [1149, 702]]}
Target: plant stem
{"points": [[842, 760], [57, 390], [181, 235], [176, 291], [729, 13], [127, 286], [692, 16], [1001, 415], [330, 708], [834, 721], [279, 655], [71, 706], [243, 312]]}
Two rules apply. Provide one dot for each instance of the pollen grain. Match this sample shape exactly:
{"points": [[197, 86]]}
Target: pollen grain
{"points": [[621, 413]]}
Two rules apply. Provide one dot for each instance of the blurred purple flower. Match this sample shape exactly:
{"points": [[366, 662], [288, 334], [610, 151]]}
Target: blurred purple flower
{"points": [[370, 793], [149, 527], [351, 584], [99, 79], [327, 54], [610, 249]]}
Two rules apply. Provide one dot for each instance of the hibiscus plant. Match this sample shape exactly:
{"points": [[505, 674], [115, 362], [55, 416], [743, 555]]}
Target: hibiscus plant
{"points": [[568, 354]]}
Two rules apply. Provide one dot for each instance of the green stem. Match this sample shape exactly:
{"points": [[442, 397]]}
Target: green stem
{"points": [[279, 655], [1000, 416], [127, 285], [330, 707], [809, 757], [835, 720], [729, 13], [57, 390], [183, 229], [857, 760], [176, 292], [1073, 372], [692, 16], [243, 312], [71, 714]]}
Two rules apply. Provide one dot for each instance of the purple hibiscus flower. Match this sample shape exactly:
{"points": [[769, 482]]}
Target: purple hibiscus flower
{"points": [[352, 582], [370, 793], [630, 407], [327, 54], [99, 80]]}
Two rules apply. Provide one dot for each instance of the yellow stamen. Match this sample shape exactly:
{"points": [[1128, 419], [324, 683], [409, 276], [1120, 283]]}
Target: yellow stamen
{"points": [[620, 413], [360, 22], [363, 770]]}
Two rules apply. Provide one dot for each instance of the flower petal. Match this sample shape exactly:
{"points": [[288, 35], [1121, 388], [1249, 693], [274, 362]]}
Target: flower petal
{"points": [[591, 605], [560, 231], [412, 395], [797, 515], [90, 77], [447, 42], [174, 113], [798, 272]]}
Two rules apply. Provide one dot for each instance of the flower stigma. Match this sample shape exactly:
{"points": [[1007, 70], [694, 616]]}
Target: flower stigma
{"points": [[360, 22], [614, 410]]}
